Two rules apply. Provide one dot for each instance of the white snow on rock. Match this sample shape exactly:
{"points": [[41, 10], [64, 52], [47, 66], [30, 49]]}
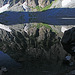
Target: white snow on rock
{"points": [[4, 8], [65, 2], [26, 29], [25, 6], [5, 27], [63, 29]]}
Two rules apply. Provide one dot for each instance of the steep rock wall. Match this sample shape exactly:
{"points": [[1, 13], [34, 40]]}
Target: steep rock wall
{"points": [[31, 3]]}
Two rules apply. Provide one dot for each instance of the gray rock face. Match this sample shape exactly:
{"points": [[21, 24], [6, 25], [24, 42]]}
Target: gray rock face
{"points": [[31, 3], [1, 3], [43, 3], [68, 41], [12, 41], [17, 7], [12, 2], [40, 44]]}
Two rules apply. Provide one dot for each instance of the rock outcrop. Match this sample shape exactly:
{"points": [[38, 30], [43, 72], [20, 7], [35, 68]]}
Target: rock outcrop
{"points": [[40, 44], [11, 2], [31, 3], [43, 3], [40, 3], [68, 41]]}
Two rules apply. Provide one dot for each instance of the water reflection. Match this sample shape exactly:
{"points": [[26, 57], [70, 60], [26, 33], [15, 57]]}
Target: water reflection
{"points": [[7, 61]]}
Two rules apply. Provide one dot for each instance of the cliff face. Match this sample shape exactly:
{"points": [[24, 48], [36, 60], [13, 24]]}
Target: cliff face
{"points": [[41, 3], [12, 2], [68, 41], [31, 3], [37, 44], [40, 44]]}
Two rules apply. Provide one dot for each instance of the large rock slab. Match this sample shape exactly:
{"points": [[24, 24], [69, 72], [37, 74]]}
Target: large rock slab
{"points": [[68, 41]]}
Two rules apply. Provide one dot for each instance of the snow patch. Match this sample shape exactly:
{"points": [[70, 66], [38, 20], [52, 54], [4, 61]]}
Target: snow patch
{"points": [[63, 29], [65, 2], [26, 29], [4, 8], [25, 6], [5, 27]]}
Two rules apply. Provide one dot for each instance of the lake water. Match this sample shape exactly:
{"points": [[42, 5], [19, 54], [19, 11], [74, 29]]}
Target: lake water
{"points": [[7, 61]]}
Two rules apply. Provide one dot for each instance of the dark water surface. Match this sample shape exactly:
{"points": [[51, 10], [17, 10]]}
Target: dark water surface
{"points": [[7, 61]]}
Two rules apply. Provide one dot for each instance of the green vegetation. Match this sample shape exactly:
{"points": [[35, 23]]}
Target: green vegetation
{"points": [[39, 25], [55, 0], [38, 8], [45, 8]]}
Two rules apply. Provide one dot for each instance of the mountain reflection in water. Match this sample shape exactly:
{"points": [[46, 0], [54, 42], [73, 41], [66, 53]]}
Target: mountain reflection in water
{"points": [[7, 61]]}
